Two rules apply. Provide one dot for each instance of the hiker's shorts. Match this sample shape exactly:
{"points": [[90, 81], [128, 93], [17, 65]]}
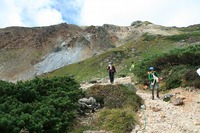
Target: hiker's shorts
{"points": [[156, 86]]}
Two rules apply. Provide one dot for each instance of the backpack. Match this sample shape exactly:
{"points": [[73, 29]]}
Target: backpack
{"points": [[111, 68]]}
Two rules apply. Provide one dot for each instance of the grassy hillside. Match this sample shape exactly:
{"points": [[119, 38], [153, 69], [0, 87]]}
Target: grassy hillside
{"points": [[148, 47]]}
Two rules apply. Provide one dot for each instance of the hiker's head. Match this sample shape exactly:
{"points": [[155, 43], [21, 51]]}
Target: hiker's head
{"points": [[151, 69], [110, 63]]}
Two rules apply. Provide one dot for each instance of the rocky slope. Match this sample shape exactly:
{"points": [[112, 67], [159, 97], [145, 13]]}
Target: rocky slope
{"points": [[28, 52], [164, 117]]}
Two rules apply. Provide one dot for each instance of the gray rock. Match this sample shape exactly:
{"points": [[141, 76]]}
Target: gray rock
{"points": [[176, 101], [88, 105], [166, 97]]}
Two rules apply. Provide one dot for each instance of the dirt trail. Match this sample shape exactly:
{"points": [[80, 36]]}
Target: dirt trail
{"points": [[164, 117]]}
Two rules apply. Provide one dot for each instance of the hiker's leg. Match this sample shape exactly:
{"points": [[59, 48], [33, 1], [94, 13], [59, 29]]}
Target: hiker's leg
{"points": [[153, 94], [110, 76], [157, 90], [113, 77], [152, 89]]}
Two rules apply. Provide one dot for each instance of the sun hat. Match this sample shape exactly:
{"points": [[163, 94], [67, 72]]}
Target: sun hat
{"points": [[151, 68]]}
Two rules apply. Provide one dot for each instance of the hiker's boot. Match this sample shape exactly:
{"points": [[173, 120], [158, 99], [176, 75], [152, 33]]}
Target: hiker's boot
{"points": [[152, 97], [157, 94]]}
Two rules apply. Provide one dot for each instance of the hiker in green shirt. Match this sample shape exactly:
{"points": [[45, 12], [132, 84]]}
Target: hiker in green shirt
{"points": [[154, 80], [132, 66], [131, 70]]}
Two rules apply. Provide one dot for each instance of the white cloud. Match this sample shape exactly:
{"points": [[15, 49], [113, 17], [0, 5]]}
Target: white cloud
{"points": [[9, 14], [45, 17], [124, 12], [120, 12], [39, 12], [29, 13], [98, 12]]}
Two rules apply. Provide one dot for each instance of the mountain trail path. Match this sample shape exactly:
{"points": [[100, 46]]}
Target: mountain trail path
{"points": [[158, 116]]}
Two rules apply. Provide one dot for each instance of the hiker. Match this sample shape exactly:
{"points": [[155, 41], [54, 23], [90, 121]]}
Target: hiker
{"points": [[131, 70], [154, 79], [132, 66], [111, 70]]}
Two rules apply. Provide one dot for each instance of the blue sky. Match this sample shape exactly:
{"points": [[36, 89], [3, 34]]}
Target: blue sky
{"points": [[33, 13]]}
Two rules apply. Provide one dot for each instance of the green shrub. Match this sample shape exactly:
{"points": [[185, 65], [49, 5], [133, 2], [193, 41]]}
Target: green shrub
{"points": [[173, 82], [6, 88], [192, 78], [116, 120], [149, 37], [122, 75], [115, 96], [196, 84], [185, 36], [120, 103], [39, 105]]}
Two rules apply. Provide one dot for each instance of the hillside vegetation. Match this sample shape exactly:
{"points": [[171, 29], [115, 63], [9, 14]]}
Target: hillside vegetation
{"points": [[39, 105], [175, 57], [178, 67]]}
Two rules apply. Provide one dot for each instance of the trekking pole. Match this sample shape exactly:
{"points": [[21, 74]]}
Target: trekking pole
{"points": [[143, 110]]}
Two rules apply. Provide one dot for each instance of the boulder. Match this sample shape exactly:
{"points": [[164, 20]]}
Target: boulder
{"points": [[176, 101], [88, 104]]}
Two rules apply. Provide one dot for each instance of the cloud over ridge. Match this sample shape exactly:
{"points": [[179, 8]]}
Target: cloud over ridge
{"points": [[32, 13]]}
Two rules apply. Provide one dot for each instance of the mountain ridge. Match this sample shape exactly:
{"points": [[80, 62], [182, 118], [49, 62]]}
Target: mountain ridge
{"points": [[29, 52]]}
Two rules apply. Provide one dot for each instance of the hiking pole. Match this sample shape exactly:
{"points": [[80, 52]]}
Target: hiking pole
{"points": [[143, 110]]}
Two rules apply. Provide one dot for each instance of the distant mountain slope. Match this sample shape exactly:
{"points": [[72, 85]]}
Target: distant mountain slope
{"points": [[27, 52]]}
